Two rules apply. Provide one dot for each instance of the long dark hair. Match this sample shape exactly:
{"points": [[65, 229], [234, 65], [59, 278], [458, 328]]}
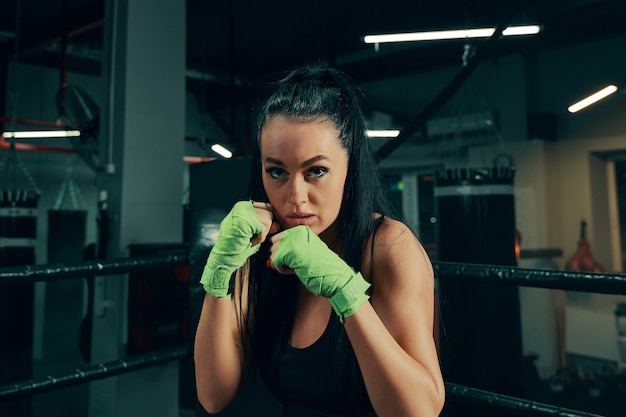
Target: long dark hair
{"points": [[313, 94]]}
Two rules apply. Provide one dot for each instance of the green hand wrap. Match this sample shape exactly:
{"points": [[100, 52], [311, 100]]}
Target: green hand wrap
{"points": [[231, 250], [321, 270]]}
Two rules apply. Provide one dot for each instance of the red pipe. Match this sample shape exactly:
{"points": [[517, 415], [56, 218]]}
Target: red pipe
{"points": [[197, 159], [42, 123], [27, 147]]}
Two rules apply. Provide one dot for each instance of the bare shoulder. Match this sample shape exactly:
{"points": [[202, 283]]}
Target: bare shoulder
{"points": [[394, 239], [403, 286], [391, 232], [398, 256]]}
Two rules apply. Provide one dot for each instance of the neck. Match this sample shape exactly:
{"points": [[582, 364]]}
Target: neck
{"points": [[331, 237]]}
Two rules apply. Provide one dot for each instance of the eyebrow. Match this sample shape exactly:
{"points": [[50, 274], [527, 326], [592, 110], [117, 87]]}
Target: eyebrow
{"points": [[306, 163]]}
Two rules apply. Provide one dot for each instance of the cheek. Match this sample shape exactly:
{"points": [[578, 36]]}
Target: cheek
{"points": [[335, 196], [272, 191]]}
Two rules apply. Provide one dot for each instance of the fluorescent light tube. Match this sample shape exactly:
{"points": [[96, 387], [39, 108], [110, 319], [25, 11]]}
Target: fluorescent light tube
{"points": [[597, 96], [220, 150], [35, 134], [382, 133], [450, 34], [521, 30]]}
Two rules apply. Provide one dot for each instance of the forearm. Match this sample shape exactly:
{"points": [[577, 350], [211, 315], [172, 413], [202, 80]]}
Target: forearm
{"points": [[217, 354], [397, 383]]}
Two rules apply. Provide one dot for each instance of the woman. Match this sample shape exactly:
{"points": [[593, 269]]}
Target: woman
{"points": [[313, 282]]}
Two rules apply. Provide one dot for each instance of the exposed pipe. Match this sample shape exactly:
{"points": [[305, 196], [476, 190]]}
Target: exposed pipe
{"points": [[30, 122], [63, 75], [28, 147], [419, 121], [42, 148], [50, 31]]}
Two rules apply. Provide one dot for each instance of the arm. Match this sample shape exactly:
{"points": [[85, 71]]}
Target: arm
{"points": [[218, 352], [392, 334]]}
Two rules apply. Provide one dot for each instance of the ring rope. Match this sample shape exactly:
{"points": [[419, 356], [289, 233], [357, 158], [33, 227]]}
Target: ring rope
{"points": [[528, 277], [513, 275], [57, 272], [93, 372], [543, 278], [529, 408]]}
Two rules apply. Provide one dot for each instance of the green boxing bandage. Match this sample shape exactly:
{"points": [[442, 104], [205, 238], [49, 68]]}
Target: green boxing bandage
{"points": [[321, 270], [231, 250]]}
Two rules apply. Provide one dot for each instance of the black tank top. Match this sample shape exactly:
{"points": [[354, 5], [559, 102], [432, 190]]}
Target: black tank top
{"points": [[312, 381], [316, 381], [321, 380]]}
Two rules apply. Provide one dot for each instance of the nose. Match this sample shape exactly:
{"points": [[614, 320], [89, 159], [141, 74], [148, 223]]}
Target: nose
{"points": [[298, 192]]}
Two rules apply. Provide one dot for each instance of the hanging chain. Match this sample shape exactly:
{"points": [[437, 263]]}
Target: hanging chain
{"points": [[9, 159], [71, 187], [14, 94], [477, 115], [13, 77]]}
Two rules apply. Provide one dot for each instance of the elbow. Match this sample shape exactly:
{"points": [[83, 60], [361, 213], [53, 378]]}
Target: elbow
{"points": [[432, 407], [439, 397], [212, 404], [214, 398], [440, 402]]}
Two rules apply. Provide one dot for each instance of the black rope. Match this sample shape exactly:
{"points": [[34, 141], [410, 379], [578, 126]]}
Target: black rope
{"points": [[556, 279], [92, 373], [541, 278], [527, 407], [57, 272], [528, 277]]}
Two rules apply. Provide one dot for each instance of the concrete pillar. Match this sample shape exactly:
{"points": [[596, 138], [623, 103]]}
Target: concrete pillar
{"points": [[142, 131]]}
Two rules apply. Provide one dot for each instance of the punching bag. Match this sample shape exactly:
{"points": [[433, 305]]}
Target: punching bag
{"points": [[66, 300], [583, 260], [480, 322]]}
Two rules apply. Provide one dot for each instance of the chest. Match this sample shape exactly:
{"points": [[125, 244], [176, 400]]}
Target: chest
{"points": [[311, 319]]}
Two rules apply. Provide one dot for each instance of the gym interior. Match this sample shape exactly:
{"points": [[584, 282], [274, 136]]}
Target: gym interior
{"points": [[520, 201]]}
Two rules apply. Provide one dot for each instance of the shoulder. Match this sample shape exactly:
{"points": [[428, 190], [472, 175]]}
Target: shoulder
{"points": [[403, 285], [397, 257], [392, 232]]}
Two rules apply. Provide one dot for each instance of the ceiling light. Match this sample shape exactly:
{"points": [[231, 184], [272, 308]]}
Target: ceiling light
{"points": [[450, 34], [382, 133], [597, 96], [35, 134], [220, 150]]}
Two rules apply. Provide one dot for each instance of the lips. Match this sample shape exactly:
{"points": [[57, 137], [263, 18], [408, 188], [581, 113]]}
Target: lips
{"points": [[298, 219]]}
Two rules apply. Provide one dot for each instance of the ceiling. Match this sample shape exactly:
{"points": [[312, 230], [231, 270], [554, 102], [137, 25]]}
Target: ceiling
{"points": [[236, 43]]}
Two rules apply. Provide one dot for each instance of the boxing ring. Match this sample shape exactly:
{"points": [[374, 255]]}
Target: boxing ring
{"points": [[515, 276]]}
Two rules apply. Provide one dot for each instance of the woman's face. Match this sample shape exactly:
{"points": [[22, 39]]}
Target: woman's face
{"points": [[304, 168]]}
